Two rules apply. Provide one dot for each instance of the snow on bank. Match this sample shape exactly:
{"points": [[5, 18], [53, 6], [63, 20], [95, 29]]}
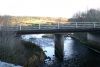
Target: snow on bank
{"points": [[4, 64]]}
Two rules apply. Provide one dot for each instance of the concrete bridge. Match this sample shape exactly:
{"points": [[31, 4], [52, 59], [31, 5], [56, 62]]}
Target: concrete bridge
{"points": [[54, 28], [57, 29]]}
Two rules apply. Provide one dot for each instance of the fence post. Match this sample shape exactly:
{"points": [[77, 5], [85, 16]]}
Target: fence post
{"points": [[76, 25], [58, 25], [39, 26], [94, 24], [20, 27]]}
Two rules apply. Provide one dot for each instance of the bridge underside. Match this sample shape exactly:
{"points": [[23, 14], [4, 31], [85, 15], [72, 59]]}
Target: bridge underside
{"points": [[54, 31]]}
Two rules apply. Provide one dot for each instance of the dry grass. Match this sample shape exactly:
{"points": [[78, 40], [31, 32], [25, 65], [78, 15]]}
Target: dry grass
{"points": [[14, 50]]}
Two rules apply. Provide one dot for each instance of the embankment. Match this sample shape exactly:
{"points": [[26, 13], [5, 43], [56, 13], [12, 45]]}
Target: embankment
{"points": [[89, 39], [14, 50]]}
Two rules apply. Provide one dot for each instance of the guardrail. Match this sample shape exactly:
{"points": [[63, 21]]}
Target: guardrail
{"points": [[72, 25]]}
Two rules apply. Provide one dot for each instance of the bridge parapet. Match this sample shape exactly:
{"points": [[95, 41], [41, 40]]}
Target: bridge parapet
{"points": [[72, 25]]}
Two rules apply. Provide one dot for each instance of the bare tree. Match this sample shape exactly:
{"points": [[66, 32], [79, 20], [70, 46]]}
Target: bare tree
{"points": [[91, 15]]}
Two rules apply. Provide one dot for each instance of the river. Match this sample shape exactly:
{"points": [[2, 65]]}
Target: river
{"points": [[75, 53]]}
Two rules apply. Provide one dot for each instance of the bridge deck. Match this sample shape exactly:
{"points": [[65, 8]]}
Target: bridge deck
{"points": [[54, 28], [57, 31]]}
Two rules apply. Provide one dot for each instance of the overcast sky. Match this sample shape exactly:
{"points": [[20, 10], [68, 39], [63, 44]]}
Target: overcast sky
{"points": [[54, 8]]}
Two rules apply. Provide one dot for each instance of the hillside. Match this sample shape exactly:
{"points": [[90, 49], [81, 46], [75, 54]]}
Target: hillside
{"points": [[28, 20]]}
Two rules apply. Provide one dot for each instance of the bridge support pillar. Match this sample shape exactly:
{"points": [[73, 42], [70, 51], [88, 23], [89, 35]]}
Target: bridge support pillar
{"points": [[59, 46]]}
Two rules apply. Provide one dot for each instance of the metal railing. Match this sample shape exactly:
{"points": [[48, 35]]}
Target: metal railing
{"points": [[72, 25]]}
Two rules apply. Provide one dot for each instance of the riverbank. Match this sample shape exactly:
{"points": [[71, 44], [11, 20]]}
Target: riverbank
{"points": [[22, 53], [90, 44], [76, 54]]}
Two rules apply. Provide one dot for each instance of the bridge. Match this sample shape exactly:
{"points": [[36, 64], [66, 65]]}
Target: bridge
{"points": [[56, 29]]}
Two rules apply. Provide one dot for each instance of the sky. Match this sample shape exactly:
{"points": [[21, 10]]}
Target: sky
{"points": [[52, 8]]}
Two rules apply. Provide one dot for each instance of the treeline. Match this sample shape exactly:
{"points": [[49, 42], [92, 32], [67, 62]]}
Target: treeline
{"points": [[92, 15]]}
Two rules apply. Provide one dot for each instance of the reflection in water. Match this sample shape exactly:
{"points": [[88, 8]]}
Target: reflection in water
{"points": [[75, 53], [49, 51], [68, 47], [48, 46]]}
